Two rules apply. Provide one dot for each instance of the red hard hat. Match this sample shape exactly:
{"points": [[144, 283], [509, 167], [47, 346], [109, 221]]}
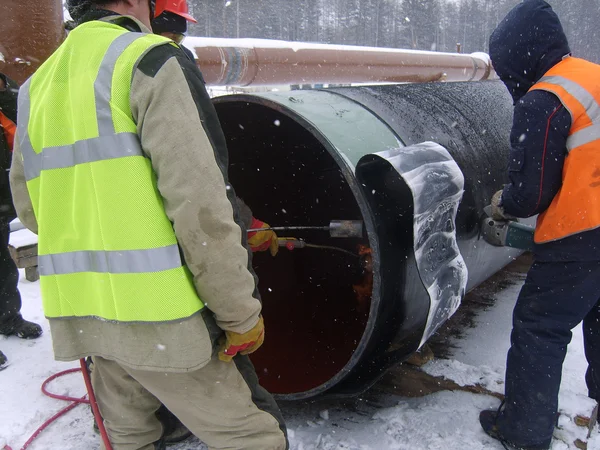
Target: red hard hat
{"points": [[178, 7]]}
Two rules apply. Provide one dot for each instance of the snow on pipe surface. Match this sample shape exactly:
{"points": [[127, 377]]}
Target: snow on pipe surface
{"points": [[322, 152]]}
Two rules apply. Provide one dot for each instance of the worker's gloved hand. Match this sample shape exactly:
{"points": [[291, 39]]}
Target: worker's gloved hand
{"points": [[244, 344], [260, 241], [497, 209]]}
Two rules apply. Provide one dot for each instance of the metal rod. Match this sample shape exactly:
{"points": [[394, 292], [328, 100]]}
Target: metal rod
{"points": [[294, 243], [336, 228], [289, 229], [331, 247]]}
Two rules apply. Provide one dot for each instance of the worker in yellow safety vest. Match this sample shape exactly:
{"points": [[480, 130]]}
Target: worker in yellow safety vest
{"points": [[119, 166]]}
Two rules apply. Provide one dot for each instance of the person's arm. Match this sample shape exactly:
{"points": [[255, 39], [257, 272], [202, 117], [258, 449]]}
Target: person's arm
{"points": [[18, 184], [9, 90], [181, 135], [19, 191], [538, 149]]}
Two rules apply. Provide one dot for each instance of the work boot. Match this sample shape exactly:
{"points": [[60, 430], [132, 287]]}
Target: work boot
{"points": [[3, 361], [488, 418], [177, 434], [21, 328], [174, 430]]}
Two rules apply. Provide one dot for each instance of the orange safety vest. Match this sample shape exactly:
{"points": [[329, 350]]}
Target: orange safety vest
{"points": [[9, 130], [576, 206]]}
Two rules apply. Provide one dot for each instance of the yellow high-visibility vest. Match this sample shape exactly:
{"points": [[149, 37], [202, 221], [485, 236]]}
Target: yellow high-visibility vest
{"points": [[106, 247]]}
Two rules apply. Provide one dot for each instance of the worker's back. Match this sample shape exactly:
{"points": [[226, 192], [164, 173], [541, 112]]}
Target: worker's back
{"points": [[575, 208], [124, 164], [107, 251], [102, 226]]}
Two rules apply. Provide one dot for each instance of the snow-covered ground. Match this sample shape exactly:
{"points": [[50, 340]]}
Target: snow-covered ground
{"points": [[375, 421]]}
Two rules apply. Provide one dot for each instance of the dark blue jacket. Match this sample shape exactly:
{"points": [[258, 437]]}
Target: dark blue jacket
{"points": [[524, 46], [8, 106]]}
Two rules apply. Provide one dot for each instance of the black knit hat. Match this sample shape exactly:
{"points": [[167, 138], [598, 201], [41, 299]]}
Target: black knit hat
{"points": [[169, 22], [78, 8]]}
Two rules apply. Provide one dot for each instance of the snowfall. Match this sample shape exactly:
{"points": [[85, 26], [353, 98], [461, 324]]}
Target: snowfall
{"points": [[380, 419]]}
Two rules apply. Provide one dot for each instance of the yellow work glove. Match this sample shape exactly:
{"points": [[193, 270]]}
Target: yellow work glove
{"points": [[244, 344], [260, 241]]}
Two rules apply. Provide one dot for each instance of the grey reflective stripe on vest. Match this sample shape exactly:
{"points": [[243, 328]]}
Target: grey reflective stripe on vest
{"points": [[32, 162], [584, 136], [91, 150], [115, 262], [587, 100], [107, 146], [103, 83]]}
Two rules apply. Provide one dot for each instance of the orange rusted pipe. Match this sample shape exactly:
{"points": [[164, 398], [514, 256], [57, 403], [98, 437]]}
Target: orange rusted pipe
{"points": [[30, 30], [245, 62]]}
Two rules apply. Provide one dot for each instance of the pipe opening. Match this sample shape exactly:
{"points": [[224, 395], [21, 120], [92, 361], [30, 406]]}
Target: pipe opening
{"points": [[316, 301]]}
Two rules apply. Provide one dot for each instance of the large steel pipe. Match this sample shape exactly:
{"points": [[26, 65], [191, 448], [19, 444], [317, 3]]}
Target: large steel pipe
{"points": [[30, 30], [302, 158], [258, 62]]}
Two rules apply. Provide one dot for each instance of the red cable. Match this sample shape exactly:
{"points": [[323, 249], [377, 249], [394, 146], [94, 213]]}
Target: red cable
{"points": [[45, 425], [92, 401], [74, 402], [62, 397]]}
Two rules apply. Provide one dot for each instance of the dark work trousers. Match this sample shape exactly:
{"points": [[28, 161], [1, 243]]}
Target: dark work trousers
{"points": [[556, 297], [10, 298]]}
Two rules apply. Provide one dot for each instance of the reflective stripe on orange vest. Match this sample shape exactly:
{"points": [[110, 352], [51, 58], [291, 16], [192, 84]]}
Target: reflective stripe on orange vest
{"points": [[9, 128], [576, 206]]}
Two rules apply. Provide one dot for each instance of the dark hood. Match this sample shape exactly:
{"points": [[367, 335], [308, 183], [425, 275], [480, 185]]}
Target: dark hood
{"points": [[527, 43], [169, 22]]}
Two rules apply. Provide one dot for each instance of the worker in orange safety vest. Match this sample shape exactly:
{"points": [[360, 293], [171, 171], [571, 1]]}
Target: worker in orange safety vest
{"points": [[553, 172]]}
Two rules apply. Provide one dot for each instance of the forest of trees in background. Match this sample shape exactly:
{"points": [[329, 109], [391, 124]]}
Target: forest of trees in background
{"points": [[415, 24]]}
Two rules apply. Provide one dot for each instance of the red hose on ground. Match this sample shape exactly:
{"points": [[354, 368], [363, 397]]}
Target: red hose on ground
{"points": [[74, 402], [45, 425], [62, 397]]}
